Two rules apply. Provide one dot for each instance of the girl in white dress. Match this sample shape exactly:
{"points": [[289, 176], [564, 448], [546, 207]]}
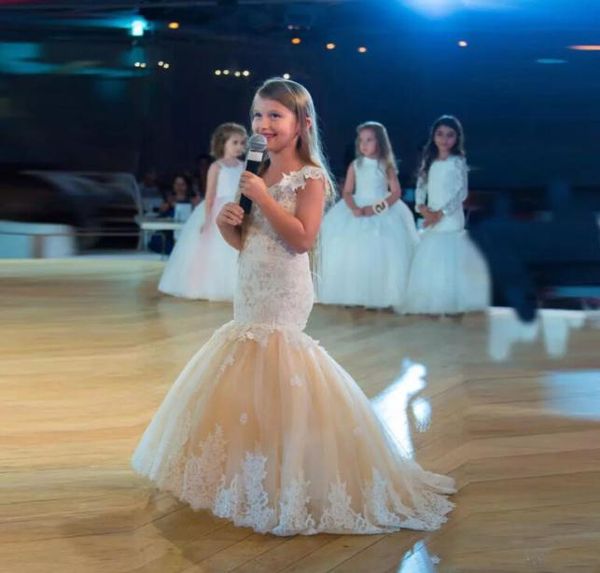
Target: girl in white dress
{"points": [[263, 427], [202, 265], [368, 238], [448, 274]]}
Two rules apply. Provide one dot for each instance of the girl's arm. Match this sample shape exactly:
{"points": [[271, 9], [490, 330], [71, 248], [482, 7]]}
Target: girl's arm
{"points": [[394, 185], [348, 191], [460, 187], [229, 222], [211, 190], [299, 230], [395, 192], [421, 195], [431, 217]]}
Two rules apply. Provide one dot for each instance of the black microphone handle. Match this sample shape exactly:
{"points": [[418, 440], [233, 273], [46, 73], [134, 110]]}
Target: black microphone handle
{"points": [[245, 202]]}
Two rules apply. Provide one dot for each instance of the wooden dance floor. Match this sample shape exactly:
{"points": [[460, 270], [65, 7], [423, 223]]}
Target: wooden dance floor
{"points": [[89, 349]]}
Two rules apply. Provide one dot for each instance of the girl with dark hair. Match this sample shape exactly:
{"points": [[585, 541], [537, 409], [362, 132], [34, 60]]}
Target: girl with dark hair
{"points": [[448, 274]]}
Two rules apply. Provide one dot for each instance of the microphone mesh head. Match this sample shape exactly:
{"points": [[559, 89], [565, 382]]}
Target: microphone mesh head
{"points": [[257, 142]]}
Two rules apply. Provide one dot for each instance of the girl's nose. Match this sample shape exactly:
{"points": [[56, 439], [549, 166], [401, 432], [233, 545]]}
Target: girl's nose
{"points": [[263, 124]]}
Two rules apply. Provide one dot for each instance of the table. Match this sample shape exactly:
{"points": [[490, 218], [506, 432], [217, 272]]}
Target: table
{"points": [[151, 224]]}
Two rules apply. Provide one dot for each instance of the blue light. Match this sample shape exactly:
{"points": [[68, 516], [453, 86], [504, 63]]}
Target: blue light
{"points": [[138, 27], [434, 7], [23, 58], [551, 61]]}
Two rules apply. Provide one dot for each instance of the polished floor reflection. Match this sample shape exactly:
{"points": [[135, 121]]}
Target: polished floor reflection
{"points": [[552, 327], [90, 348], [399, 401]]}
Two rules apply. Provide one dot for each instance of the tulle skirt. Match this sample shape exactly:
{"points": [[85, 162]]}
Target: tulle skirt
{"points": [[202, 265], [265, 429], [448, 276], [365, 261]]}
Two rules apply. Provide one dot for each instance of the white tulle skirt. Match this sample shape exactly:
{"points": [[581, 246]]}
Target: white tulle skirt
{"points": [[265, 429], [448, 276], [365, 261], [202, 265]]}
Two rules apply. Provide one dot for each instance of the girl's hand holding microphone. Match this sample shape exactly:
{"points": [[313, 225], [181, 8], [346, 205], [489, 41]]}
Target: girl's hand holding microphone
{"points": [[252, 186], [230, 215]]}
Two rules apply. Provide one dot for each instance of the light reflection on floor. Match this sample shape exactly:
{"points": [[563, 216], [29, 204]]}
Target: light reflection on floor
{"points": [[506, 331], [573, 394], [396, 403], [418, 560]]}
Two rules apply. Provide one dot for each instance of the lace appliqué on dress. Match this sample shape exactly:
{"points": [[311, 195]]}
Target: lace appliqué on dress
{"points": [[245, 501], [203, 473], [274, 282], [261, 334], [296, 179]]}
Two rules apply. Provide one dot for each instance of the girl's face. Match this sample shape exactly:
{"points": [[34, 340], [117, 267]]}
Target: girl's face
{"points": [[367, 143], [234, 146], [276, 122], [445, 138], [179, 187]]}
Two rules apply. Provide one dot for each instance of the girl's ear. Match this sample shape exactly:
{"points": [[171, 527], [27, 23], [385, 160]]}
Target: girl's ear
{"points": [[307, 123]]}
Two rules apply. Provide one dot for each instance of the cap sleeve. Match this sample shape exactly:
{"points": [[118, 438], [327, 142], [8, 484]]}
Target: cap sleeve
{"points": [[297, 179]]}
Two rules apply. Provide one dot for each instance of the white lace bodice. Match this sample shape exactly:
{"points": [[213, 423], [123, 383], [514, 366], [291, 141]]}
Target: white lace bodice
{"points": [[446, 187], [371, 181], [228, 180], [445, 190], [274, 285]]}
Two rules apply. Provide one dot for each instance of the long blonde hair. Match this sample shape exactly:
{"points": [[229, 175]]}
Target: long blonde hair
{"points": [[297, 99], [385, 153]]}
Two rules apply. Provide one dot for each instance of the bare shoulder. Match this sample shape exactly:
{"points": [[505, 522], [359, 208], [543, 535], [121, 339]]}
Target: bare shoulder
{"points": [[214, 168]]}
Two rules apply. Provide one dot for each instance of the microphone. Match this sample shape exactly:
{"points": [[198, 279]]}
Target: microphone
{"points": [[257, 144]]}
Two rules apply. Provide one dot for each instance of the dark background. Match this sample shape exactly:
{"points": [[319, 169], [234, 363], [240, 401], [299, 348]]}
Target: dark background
{"points": [[71, 97]]}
